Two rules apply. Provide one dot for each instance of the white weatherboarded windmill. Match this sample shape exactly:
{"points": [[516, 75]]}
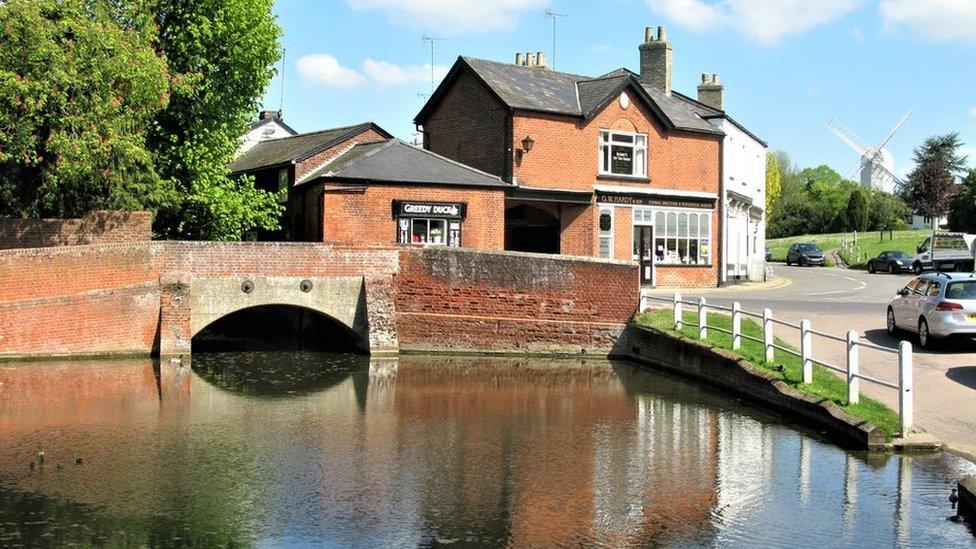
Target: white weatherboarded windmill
{"points": [[875, 163]]}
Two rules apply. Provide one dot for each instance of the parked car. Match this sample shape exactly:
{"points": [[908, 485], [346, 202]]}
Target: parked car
{"points": [[890, 262], [805, 254], [950, 252], [769, 254], [935, 306]]}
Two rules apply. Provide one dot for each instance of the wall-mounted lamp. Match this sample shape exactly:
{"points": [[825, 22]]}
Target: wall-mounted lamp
{"points": [[527, 145]]}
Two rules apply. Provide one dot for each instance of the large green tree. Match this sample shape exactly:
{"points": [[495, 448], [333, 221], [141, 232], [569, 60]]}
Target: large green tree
{"points": [[773, 180], [858, 217], [221, 55], [943, 149], [80, 80], [962, 211]]}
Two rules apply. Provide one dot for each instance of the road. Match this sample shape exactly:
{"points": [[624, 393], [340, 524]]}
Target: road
{"points": [[836, 300]]}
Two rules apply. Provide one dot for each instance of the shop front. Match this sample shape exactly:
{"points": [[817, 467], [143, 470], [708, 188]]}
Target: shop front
{"points": [[436, 223], [673, 234]]}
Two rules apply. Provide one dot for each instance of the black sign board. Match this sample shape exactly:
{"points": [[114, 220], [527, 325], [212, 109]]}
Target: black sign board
{"points": [[646, 200], [622, 160], [435, 210]]}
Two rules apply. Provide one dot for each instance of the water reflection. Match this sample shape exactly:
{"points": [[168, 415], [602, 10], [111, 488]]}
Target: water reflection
{"points": [[423, 451]]}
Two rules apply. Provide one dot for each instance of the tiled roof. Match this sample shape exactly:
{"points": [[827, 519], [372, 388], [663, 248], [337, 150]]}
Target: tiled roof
{"points": [[275, 152], [543, 90], [393, 161]]}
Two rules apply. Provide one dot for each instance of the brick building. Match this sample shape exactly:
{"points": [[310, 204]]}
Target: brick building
{"points": [[358, 186], [618, 166]]}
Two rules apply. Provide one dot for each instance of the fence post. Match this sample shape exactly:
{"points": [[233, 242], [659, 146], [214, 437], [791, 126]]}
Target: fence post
{"points": [[905, 373], [806, 351], [768, 334], [736, 325], [702, 319], [677, 310], [853, 385]]}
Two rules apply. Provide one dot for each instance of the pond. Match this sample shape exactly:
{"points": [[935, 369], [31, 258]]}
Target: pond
{"points": [[293, 449]]}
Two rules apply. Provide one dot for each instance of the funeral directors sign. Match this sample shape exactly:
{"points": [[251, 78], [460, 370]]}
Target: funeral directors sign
{"points": [[436, 210], [628, 199]]}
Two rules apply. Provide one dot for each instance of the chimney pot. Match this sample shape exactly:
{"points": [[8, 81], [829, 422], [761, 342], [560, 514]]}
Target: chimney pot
{"points": [[711, 92], [715, 78], [531, 59], [520, 59], [648, 34], [540, 58], [656, 61], [704, 77]]}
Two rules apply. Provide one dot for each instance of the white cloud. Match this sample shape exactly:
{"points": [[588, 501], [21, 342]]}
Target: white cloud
{"points": [[322, 68], [386, 73], [453, 16], [766, 21], [936, 20], [972, 112]]}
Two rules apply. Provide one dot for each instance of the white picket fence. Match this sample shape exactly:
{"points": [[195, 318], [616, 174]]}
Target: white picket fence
{"points": [[853, 343]]}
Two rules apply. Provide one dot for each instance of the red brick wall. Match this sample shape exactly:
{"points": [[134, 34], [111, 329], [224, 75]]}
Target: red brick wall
{"points": [[363, 217], [470, 125], [566, 151], [468, 300], [107, 299], [98, 227]]}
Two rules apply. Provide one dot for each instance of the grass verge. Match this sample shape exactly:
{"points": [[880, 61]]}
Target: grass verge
{"points": [[787, 367], [870, 244]]}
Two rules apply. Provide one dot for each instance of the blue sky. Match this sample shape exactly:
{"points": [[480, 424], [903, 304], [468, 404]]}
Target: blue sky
{"points": [[789, 66]]}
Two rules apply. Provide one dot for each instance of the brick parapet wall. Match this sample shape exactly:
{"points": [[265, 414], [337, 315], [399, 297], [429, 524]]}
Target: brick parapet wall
{"points": [[470, 300], [113, 299], [98, 227]]}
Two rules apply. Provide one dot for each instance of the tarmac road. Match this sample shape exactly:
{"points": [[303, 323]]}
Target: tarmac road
{"points": [[837, 300]]}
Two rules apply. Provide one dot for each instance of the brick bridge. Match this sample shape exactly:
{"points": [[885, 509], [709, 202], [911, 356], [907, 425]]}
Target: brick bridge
{"points": [[154, 296]]}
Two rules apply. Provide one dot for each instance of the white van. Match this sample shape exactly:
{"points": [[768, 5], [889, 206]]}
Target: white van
{"points": [[950, 252]]}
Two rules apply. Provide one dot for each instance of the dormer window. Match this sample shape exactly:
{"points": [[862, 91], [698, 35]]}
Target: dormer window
{"points": [[623, 153]]}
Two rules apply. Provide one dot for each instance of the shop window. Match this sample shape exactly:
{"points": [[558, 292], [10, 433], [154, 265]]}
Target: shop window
{"points": [[438, 224], [606, 233], [682, 238], [623, 153]]}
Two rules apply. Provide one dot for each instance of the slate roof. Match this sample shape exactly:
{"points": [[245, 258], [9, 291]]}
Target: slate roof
{"points": [[394, 161], [542, 90], [268, 120], [285, 150]]}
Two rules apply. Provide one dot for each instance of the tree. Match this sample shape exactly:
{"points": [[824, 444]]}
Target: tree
{"points": [[962, 213], [857, 211], [221, 54], [930, 189], [773, 181], [80, 81], [943, 149], [888, 212]]}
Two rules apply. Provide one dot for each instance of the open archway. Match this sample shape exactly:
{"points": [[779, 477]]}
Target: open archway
{"points": [[531, 229], [278, 328]]}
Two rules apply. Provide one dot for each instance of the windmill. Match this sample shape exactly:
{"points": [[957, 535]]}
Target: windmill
{"points": [[875, 163]]}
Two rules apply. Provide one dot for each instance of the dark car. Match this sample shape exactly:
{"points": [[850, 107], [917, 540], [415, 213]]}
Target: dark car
{"points": [[769, 254], [890, 262], [806, 254]]}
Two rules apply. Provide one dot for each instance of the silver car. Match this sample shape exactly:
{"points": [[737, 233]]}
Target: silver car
{"points": [[936, 306]]}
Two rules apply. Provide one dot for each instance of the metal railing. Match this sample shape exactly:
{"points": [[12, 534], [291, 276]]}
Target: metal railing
{"points": [[852, 341]]}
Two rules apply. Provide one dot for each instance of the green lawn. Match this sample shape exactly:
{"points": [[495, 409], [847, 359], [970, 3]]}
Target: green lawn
{"points": [[870, 244], [787, 367]]}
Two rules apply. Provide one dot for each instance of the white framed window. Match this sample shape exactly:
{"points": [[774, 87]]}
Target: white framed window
{"points": [[682, 237], [606, 233], [623, 153], [427, 231]]}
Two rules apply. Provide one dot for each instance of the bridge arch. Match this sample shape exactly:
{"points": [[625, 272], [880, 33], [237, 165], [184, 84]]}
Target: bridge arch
{"points": [[339, 301]]}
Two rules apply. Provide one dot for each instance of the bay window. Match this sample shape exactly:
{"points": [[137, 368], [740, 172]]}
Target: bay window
{"points": [[623, 153]]}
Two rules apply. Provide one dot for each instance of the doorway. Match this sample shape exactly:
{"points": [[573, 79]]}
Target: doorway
{"points": [[644, 252]]}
